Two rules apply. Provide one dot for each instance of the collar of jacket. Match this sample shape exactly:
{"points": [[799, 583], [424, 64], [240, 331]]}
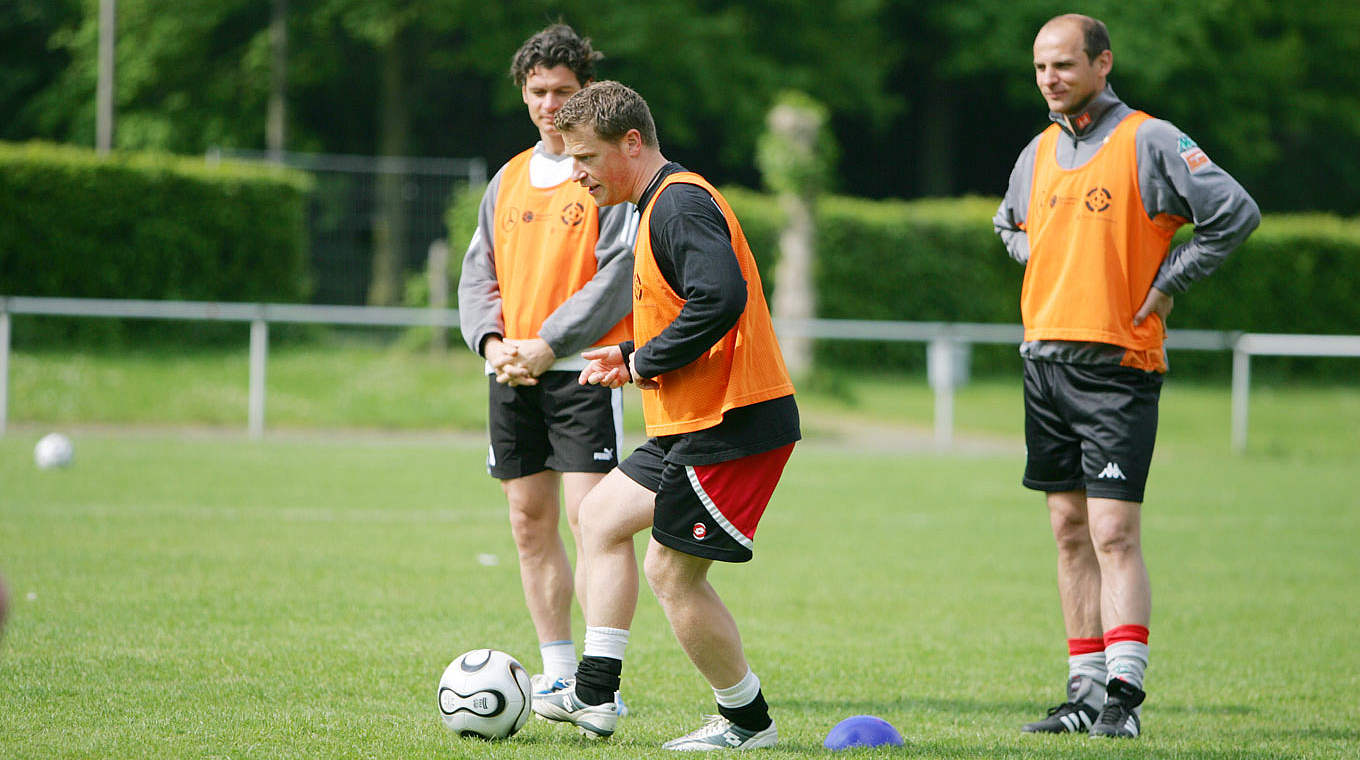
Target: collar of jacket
{"points": [[1101, 104]]}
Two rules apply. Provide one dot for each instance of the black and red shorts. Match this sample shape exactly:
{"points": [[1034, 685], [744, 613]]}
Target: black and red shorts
{"points": [[707, 510]]}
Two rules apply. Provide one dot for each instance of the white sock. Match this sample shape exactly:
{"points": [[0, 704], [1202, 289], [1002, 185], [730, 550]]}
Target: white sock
{"points": [[1127, 661], [605, 642], [1086, 690], [740, 694], [1091, 665], [559, 659]]}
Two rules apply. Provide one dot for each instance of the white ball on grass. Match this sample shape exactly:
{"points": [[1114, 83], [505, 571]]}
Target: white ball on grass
{"points": [[484, 693], [53, 450]]}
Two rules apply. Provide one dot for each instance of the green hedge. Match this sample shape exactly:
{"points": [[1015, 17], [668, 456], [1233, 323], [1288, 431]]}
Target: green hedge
{"points": [[1298, 273], [150, 226], [928, 260], [939, 260]]}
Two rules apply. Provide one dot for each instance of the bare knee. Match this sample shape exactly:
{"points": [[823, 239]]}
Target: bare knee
{"points": [[1068, 517], [533, 517], [532, 535], [1115, 539], [612, 513], [1115, 530], [658, 573], [592, 516], [668, 572]]}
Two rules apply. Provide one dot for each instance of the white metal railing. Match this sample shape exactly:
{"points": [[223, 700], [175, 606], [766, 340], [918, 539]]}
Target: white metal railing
{"points": [[1274, 344], [948, 343], [258, 315]]}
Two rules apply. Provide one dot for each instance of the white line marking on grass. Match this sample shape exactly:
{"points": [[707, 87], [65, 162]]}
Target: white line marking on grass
{"points": [[286, 514]]}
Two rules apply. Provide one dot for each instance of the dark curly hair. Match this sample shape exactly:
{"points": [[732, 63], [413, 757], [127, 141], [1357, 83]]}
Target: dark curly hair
{"points": [[558, 45]]}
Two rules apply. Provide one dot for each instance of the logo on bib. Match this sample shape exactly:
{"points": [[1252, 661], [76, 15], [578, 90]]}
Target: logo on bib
{"points": [[1098, 199], [573, 214]]}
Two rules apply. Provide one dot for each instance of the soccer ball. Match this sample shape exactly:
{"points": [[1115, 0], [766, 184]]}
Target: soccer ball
{"points": [[484, 693], [53, 450]]}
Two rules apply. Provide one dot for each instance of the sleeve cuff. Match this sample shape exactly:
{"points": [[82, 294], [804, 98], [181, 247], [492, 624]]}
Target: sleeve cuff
{"points": [[481, 342]]}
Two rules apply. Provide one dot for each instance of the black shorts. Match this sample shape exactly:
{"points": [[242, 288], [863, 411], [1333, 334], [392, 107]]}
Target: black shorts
{"points": [[558, 424], [707, 510], [1090, 427]]}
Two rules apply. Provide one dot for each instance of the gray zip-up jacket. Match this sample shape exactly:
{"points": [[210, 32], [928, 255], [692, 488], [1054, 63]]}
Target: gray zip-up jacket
{"points": [[579, 322], [1221, 210]]}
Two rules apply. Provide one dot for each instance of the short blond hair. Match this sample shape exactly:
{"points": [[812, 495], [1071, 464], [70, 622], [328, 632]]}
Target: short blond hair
{"points": [[611, 109]]}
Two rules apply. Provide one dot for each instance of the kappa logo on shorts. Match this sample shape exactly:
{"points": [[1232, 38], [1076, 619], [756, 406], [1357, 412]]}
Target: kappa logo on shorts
{"points": [[700, 531], [1112, 472]]}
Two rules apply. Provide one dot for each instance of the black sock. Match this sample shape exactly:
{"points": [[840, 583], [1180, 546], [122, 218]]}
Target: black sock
{"points": [[754, 716], [597, 678]]}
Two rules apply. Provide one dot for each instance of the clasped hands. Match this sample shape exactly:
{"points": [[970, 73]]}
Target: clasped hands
{"points": [[518, 362]]}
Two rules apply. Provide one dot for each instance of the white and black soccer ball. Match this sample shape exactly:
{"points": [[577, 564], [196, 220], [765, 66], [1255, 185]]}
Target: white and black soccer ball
{"points": [[485, 693], [53, 450]]}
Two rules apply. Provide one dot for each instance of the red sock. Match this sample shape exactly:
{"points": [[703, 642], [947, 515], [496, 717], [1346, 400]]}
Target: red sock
{"points": [[1138, 633], [1085, 646]]}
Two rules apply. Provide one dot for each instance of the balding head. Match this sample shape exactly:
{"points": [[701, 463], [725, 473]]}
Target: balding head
{"points": [[1072, 58], [1095, 37]]}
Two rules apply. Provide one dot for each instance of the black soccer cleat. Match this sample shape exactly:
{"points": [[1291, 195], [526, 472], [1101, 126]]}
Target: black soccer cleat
{"points": [[1119, 717], [1068, 717], [1076, 715]]}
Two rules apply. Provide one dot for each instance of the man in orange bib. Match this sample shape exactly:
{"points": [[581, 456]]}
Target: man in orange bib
{"points": [[545, 276], [1091, 207], [718, 404]]}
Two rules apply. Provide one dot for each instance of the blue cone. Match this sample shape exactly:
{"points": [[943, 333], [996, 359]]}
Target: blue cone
{"points": [[862, 731]]}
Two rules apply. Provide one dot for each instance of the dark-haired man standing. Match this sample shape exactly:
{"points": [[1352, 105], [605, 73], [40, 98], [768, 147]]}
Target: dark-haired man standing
{"points": [[545, 276]]}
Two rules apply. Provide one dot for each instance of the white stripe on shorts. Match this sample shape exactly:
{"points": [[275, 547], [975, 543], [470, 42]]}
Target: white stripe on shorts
{"points": [[713, 511]]}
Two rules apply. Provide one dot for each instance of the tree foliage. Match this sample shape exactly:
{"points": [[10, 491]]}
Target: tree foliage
{"points": [[928, 98]]}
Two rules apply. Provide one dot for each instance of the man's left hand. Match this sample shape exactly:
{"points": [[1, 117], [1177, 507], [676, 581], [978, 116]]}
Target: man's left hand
{"points": [[535, 356], [1157, 302]]}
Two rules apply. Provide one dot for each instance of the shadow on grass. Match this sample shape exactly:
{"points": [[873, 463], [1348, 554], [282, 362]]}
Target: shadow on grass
{"points": [[988, 707], [1229, 745]]}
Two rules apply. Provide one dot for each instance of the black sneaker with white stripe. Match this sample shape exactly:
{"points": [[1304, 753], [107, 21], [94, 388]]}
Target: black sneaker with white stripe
{"points": [[1119, 717], [1076, 714]]}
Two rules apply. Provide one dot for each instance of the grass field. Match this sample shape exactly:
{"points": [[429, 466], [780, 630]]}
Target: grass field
{"points": [[368, 386], [187, 593]]}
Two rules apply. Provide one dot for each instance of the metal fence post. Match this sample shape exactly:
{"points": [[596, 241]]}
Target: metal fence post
{"points": [[259, 349], [1241, 387], [437, 275], [4, 366], [940, 370]]}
